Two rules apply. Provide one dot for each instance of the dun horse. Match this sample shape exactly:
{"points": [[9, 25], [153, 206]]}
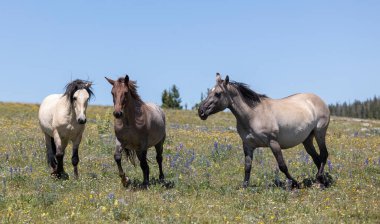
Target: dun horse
{"points": [[278, 124], [62, 118], [138, 126]]}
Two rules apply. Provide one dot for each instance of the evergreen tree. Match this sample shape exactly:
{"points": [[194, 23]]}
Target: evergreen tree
{"points": [[171, 98], [369, 109]]}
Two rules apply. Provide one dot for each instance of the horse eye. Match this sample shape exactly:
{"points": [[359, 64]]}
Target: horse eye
{"points": [[217, 94], [74, 98]]}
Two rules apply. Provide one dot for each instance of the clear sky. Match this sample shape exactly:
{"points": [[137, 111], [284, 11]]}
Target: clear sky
{"points": [[331, 48]]}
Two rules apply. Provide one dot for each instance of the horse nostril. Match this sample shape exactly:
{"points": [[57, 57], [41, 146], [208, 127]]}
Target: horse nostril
{"points": [[117, 114], [82, 121]]}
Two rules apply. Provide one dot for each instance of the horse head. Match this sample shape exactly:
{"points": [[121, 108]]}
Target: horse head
{"points": [[217, 99], [120, 93]]}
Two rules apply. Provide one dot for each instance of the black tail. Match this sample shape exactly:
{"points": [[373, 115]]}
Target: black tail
{"points": [[51, 154]]}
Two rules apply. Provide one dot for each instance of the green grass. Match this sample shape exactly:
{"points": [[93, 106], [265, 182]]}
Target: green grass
{"points": [[204, 160]]}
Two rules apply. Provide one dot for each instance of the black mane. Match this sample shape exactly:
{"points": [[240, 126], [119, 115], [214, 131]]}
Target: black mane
{"points": [[249, 96], [75, 85]]}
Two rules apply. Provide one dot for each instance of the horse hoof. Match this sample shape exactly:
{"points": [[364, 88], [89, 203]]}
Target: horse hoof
{"points": [[144, 186], [245, 185], [296, 186], [125, 181], [60, 175]]}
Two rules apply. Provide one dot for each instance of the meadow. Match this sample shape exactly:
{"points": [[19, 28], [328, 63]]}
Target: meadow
{"points": [[204, 164]]}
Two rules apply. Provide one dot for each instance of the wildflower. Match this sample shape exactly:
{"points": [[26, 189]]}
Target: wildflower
{"points": [[330, 165], [366, 162], [111, 196]]}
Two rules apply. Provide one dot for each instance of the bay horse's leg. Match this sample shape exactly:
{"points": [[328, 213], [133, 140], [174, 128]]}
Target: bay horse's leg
{"points": [[117, 156], [309, 146], [141, 154], [248, 153], [276, 150], [60, 153], [320, 136], [159, 149], [75, 155], [50, 152]]}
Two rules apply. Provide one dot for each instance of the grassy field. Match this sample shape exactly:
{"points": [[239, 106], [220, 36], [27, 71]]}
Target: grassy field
{"points": [[204, 160]]}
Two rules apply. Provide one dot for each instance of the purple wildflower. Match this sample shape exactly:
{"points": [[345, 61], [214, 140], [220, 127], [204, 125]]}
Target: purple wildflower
{"points": [[330, 165], [111, 196], [366, 162]]}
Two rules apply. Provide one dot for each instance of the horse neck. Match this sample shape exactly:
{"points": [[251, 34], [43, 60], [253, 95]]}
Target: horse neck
{"points": [[239, 108], [66, 107], [133, 111]]}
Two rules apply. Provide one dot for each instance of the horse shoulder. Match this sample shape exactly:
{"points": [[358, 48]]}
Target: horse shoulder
{"points": [[46, 112]]}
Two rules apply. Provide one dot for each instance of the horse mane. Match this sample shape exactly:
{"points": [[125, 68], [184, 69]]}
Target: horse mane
{"points": [[249, 96], [75, 85], [132, 87]]}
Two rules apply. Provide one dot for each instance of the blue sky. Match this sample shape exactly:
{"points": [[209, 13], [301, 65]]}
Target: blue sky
{"points": [[331, 48]]}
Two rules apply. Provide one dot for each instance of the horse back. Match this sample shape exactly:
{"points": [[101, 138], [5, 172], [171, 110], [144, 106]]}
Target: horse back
{"points": [[46, 112], [291, 119]]}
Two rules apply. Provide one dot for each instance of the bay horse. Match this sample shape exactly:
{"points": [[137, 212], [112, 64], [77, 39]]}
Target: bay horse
{"points": [[275, 123], [138, 126], [62, 118]]}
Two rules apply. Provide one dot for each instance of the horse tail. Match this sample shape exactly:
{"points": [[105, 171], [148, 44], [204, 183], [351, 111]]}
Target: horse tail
{"points": [[131, 155], [51, 153]]}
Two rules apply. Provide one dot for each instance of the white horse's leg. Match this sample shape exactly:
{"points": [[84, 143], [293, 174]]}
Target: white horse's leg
{"points": [[75, 155], [60, 153], [50, 152]]}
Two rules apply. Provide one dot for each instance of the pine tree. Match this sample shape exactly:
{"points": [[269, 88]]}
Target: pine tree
{"points": [[171, 98]]}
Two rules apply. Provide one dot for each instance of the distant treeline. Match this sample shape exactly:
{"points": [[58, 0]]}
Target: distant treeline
{"points": [[369, 109]]}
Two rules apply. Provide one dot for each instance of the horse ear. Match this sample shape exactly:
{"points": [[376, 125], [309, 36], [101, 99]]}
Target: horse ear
{"points": [[126, 80], [227, 80], [218, 78], [88, 85], [110, 81]]}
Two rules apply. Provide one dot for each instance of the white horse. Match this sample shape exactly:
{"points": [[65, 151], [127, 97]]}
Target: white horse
{"points": [[62, 118]]}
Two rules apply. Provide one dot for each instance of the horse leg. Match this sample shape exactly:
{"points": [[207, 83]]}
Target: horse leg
{"points": [[248, 153], [309, 146], [141, 154], [75, 155], [60, 153], [320, 136], [117, 156], [50, 152], [276, 150], [159, 150]]}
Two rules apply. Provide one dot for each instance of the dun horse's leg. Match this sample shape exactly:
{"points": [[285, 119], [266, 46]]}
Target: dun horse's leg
{"points": [[144, 166], [50, 152], [276, 149], [248, 153], [61, 146], [159, 150], [75, 156], [75, 160], [308, 144], [320, 136], [117, 156]]}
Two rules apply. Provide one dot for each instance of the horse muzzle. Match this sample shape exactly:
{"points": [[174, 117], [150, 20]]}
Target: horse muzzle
{"points": [[82, 120], [202, 114], [118, 114]]}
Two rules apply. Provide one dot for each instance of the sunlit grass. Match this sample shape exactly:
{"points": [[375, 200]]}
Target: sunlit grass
{"points": [[204, 160]]}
